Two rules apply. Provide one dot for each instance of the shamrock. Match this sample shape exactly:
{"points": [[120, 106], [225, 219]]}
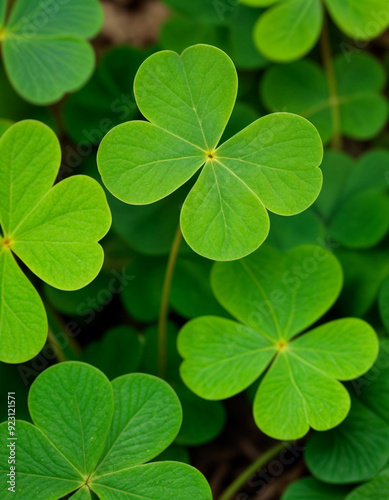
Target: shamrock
{"points": [[53, 231], [44, 46], [309, 488], [275, 297], [290, 28], [188, 99], [302, 88], [354, 201], [93, 435], [233, 36], [358, 448]]}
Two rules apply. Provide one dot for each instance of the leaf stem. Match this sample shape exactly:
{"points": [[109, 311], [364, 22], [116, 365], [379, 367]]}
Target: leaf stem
{"points": [[164, 309], [72, 350], [54, 342], [328, 62], [241, 480]]}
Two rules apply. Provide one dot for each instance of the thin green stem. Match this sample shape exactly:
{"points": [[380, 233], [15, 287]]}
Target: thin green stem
{"points": [[241, 480], [56, 323], [54, 342], [164, 309], [328, 62]]}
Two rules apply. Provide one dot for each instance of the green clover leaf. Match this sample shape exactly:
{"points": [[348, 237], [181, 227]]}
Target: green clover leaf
{"points": [[234, 36], [275, 297], [53, 230], [358, 448], [271, 164], [203, 11], [290, 28], [364, 273], [310, 489], [150, 229], [93, 435], [45, 49], [376, 488], [346, 182], [302, 88], [354, 200]]}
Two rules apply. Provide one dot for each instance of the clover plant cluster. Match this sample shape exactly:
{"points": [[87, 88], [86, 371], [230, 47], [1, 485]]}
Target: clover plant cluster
{"points": [[194, 249], [288, 29]]}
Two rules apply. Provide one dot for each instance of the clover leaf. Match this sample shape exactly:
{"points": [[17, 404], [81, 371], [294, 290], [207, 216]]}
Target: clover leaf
{"points": [[358, 448], [275, 296], [93, 435], [204, 11], [376, 488], [310, 489], [354, 200], [364, 273], [150, 229], [188, 99], [45, 49], [53, 231], [290, 28], [234, 36], [302, 88]]}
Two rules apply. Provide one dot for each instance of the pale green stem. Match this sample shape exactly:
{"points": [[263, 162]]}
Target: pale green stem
{"points": [[54, 342], [241, 480]]}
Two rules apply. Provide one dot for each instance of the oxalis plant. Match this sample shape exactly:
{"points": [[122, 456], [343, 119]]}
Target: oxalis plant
{"points": [[302, 88], [289, 29], [91, 435], [52, 230], [275, 297], [44, 45], [270, 165]]}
